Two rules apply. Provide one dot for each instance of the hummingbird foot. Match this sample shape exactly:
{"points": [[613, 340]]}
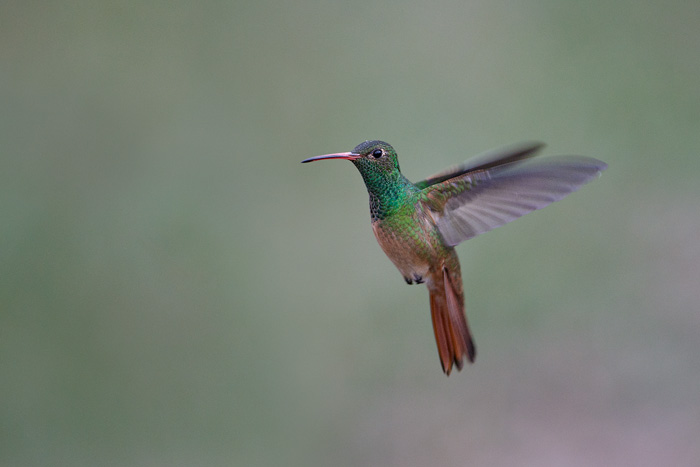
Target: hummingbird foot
{"points": [[418, 279]]}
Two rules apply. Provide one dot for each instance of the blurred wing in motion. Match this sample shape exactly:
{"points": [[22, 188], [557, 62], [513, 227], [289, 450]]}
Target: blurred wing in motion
{"points": [[501, 156], [481, 200]]}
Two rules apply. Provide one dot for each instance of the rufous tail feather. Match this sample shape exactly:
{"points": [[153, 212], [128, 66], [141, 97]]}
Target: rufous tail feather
{"points": [[452, 335]]}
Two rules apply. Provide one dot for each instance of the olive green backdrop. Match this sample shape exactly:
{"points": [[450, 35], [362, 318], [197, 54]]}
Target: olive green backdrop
{"points": [[176, 289]]}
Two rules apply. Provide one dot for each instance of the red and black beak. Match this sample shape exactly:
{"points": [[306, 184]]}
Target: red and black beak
{"points": [[338, 155]]}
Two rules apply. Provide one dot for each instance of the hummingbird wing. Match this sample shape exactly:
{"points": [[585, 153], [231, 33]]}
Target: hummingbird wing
{"points": [[507, 155], [475, 202]]}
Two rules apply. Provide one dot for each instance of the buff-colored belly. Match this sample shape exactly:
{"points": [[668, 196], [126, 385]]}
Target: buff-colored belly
{"points": [[412, 246]]}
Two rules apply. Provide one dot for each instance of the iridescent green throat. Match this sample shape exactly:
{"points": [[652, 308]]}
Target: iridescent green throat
{"points": [[388, 190]]}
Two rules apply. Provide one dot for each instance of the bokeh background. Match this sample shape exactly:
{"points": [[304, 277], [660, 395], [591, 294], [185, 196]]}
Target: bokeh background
{"points": [[176, 289]]}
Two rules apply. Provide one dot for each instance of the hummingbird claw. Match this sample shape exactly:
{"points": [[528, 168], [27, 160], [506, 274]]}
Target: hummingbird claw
{"points": [[418, 279]]}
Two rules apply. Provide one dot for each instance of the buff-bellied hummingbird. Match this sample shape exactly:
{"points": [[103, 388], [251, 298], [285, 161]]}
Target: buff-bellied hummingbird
{"points": [[419, 224]]}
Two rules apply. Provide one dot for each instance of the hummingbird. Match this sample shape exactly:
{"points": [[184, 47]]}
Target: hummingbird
{"points": [[419, 224]]}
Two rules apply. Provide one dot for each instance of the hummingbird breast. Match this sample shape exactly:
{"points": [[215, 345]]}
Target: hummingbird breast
{"points": [[410, 239]]}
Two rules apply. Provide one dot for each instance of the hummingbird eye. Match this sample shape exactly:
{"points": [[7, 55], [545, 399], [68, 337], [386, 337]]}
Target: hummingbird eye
{"points": [[377, 153]]}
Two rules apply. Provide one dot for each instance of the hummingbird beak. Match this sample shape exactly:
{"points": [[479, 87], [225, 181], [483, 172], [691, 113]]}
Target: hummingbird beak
{"points": [[338, 155]]}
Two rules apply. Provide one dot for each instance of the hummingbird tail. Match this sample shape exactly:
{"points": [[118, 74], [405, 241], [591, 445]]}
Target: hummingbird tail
{"points": [[454, 341]]}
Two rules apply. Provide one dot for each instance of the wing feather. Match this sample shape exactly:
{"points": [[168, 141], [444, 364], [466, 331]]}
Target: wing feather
{"points": [[507, 155], [475, 202]]}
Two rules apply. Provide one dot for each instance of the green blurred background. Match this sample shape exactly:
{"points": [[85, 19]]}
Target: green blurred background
{"points": [[177, 289]]}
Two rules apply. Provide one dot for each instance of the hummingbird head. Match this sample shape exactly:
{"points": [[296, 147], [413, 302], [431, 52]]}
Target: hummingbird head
{"points": [[376, 159], [379, 167], [376, 156]]}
